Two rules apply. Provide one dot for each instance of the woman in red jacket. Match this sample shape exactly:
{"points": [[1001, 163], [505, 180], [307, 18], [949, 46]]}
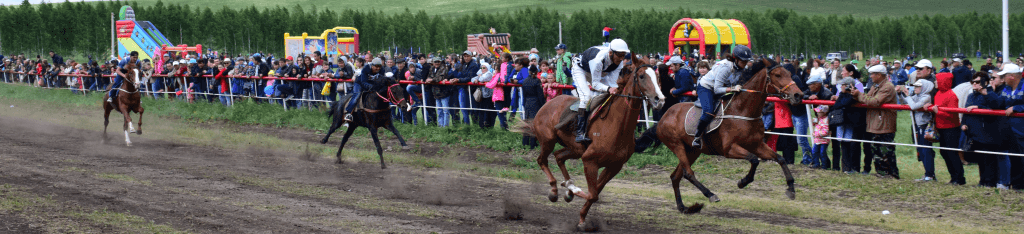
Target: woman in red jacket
{"points": [[947, 124]]}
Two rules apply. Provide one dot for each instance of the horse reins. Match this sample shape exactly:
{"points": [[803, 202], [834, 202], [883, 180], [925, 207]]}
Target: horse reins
{"points": [[391, 95]]}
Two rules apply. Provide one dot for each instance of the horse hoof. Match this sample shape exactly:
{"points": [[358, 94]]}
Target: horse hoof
{"points": [[406, 147], [569, 196], [129, 144], [323, 141], [138, 132], [553, 197], [589, 226], [693, 209], [743, 183], [791, 194], [714, 198], [339, 162]]}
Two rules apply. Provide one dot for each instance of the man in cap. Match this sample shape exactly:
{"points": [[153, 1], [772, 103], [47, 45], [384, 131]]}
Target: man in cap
{"points": [[925, 71], [961, 74], [133, 58], [563, 66], [683, 82], [881, 123], [1011, 97], [463, 72], [594, 72], [362, 84]]}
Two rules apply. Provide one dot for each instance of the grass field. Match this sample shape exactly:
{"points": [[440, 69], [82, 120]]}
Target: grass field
{"points": [[830, 196], [857, 8]]}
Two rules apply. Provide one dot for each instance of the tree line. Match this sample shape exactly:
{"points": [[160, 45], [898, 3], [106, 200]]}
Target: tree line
{"points": [[84, 28]]}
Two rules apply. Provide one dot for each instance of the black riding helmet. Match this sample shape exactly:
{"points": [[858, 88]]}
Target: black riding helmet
{"points": [[742, 52]]}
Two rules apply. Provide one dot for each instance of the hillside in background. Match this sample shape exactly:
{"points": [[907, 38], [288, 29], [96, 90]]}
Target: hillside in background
{"points": [[857, 8]]}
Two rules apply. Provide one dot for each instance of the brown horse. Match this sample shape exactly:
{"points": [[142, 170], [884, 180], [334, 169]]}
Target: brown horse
{"points": [[128, 99], [376, 115], [741, 135], [611, 131]]}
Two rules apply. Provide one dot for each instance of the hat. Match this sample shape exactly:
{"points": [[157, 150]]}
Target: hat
{"points": [[815, 78], [376, 61], [289, 58], [436, 60], [1009, 68], [675, 60], [854, 61], [919, 83], [877, 69], [192, 61], [175, 63], [561, 47], [956, 60], [467, 52], [924, 63], [182, 61], [897, 61], [400, 60], [534, 56]]}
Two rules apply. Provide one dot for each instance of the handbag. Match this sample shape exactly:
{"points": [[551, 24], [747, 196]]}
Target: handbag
{"points": [[326, 90], [836, 116], [930, 134], [478, 95]]}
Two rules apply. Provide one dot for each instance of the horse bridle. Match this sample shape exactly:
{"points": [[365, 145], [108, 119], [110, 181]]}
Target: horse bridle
{"points": [[778, 91], [136, 84], [391, 95], [636, 80]]}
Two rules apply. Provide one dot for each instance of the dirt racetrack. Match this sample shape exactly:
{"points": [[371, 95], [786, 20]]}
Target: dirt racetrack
{"points": [[55, 178]]}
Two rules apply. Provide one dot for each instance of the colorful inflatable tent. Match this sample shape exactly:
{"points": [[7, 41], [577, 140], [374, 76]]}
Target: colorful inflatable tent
{"points": [[327, 43], [143, 37], [689, 34]]}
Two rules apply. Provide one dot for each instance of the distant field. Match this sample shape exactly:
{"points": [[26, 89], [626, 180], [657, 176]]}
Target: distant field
{"points": [[857, 8]]}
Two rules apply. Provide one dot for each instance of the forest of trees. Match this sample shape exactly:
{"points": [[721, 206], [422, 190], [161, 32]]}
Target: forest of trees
{"points": [[84, 28]]}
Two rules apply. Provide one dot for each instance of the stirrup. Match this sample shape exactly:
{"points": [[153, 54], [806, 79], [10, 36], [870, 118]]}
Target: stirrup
{"points": [[348, 117], [110, 99], [696, 143]]}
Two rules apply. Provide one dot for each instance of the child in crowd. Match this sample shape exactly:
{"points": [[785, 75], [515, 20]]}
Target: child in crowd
{"points": [[819, 159]]}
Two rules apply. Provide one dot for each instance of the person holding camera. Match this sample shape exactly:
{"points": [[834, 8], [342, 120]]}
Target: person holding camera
{"points": [[847, 119], [881, 123]]}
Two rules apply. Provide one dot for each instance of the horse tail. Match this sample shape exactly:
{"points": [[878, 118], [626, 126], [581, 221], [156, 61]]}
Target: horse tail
{"points": [[647, 140], [525, 127]]}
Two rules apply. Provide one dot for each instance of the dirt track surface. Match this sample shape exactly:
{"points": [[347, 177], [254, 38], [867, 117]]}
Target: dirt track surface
{"points": [[209, 190]]}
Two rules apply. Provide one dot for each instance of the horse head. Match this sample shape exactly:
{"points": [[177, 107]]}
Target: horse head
{"points": [[640, 79], [772, 79], [132, 74], [394, 93]]}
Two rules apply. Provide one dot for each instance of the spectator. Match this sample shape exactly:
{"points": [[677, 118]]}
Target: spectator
{"points": [[817, 91], [57, 59], [682, 82], [533, 99], [988, 66], [563, 64], [917, 100], [985, 133], [547, 77], [496, 84], [484, 75], [465, 70], [947, 124], [961, 74], [881, 123], [438, 73], [819, 159], [344, 72], [1011, 97], [784, 124], [847, 119]]}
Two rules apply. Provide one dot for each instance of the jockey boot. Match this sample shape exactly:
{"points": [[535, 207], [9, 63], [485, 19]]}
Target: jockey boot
{"points": [[701, 129], [581, 127]]}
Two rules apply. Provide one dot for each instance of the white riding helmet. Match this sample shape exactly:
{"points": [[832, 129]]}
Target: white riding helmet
{"points": [[618, 45]]}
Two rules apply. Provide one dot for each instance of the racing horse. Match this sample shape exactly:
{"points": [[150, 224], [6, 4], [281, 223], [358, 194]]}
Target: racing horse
{"points": [[374, 114], [611, 129], [129, 100], [740, 135]]}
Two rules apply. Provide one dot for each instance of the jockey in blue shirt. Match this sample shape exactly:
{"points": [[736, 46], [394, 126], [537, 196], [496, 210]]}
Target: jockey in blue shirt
{"points": [[133, 57], [717, 82], [362, 84]]}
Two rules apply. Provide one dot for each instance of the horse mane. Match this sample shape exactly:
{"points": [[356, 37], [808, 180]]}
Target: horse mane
{"points": [[756, 68]]}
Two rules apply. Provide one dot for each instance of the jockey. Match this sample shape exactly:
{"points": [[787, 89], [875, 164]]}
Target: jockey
{"points": [[133, 57], [717, 82], [595, 71], [362, 84]]}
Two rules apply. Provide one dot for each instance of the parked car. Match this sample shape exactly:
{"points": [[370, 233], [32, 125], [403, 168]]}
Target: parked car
{"points": [[959, 55], [841, 55]]}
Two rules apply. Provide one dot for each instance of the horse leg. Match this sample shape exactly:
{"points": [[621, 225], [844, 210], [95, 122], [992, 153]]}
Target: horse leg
{"points": [[106, 120], [127, 124], [376, 142], [683, 170], [140, 110], [542, 160], [391, 127], [767, 153], [595, 187], [335, 124], [754, 161], [560, 157], [348, 133]]}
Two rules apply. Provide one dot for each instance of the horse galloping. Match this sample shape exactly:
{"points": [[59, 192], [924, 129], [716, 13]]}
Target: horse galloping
{"points": [[611, 131], [129, 100], [741, 135], [375, 115]]}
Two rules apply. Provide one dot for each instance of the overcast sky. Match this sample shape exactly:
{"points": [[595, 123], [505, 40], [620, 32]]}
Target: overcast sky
{"points": [[18, 2]]}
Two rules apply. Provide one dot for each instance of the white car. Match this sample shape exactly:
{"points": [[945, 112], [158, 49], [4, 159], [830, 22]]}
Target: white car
{"points": [[832, 56]]}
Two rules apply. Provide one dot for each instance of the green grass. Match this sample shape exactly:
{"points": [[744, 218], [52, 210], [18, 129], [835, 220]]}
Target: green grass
{"points": [[858, 8]]}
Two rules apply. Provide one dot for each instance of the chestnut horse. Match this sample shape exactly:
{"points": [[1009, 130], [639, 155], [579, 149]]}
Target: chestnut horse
{"points": [[741, 135], [128, 99], [376, 115], [611, 131]]}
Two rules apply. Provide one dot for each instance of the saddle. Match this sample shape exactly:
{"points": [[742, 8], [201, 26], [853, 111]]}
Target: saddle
{"points": [[360, 104], [693, 118], [569, 116]]}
